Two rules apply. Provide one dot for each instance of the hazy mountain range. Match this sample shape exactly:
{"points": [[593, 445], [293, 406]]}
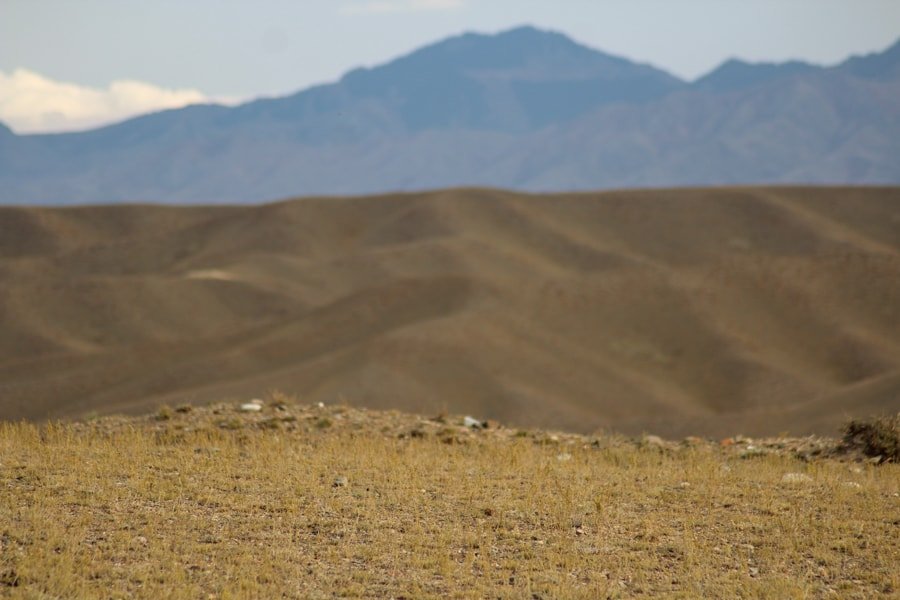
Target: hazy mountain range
{"points": [[524, 109]]}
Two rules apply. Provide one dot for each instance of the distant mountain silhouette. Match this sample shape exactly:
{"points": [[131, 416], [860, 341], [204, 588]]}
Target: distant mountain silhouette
{"points": [[736, 74], [524, 109], [881, 65], [518, 80]]}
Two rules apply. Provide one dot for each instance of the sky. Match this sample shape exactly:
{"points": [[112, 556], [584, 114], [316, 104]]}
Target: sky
{"points": [[74, 64]]}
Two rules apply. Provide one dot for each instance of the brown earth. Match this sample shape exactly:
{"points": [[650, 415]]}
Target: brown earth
{"points": [[705, 312]]}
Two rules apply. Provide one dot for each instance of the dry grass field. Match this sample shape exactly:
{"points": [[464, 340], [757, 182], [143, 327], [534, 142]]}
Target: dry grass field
{"points": [[325, 502], [677, 312]]}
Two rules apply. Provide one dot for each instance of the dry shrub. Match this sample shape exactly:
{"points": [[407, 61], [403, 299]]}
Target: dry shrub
{"points": [[876, 437], [164, 413]]}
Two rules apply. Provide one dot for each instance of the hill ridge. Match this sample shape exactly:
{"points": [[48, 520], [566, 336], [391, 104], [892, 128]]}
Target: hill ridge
{"points": [[703, 307]]}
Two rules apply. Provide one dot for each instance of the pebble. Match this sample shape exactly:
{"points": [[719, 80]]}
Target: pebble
{"points": [[473, 423], [795, 478], [653, 440], [254, 405]]}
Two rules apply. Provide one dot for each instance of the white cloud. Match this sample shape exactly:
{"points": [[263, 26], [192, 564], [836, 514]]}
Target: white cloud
{"points": [[394, 6], [32, 103]]}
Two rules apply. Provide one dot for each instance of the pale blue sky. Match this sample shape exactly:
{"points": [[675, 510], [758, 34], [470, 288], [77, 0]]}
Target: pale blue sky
{"points": [[227, 48]]}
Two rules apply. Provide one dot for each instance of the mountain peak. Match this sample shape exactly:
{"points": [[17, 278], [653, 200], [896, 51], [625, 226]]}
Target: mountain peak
{"points": [[531, 33], [876, 65], [736, 74], [519, 79], [523, 108], [520, 46]]}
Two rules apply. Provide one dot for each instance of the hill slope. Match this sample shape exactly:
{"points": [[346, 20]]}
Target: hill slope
{"points": [[524, 109], [691, 311]]}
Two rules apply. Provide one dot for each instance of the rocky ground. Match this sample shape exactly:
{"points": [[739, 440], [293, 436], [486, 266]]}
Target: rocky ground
{"points": [[284, 414], [273, 499]]}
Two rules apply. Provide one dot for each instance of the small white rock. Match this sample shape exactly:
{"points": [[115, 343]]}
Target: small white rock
{"points": [[471, 422], [321, 405], [653, 440], [563, 457], [795, 478], [251, 407]]}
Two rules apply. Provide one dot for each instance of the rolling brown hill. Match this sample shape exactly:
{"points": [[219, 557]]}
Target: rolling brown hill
{"points": [[695, 311]]}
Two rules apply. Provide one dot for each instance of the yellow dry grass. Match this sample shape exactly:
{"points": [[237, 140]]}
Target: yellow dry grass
{"points": [[154, 509]]}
